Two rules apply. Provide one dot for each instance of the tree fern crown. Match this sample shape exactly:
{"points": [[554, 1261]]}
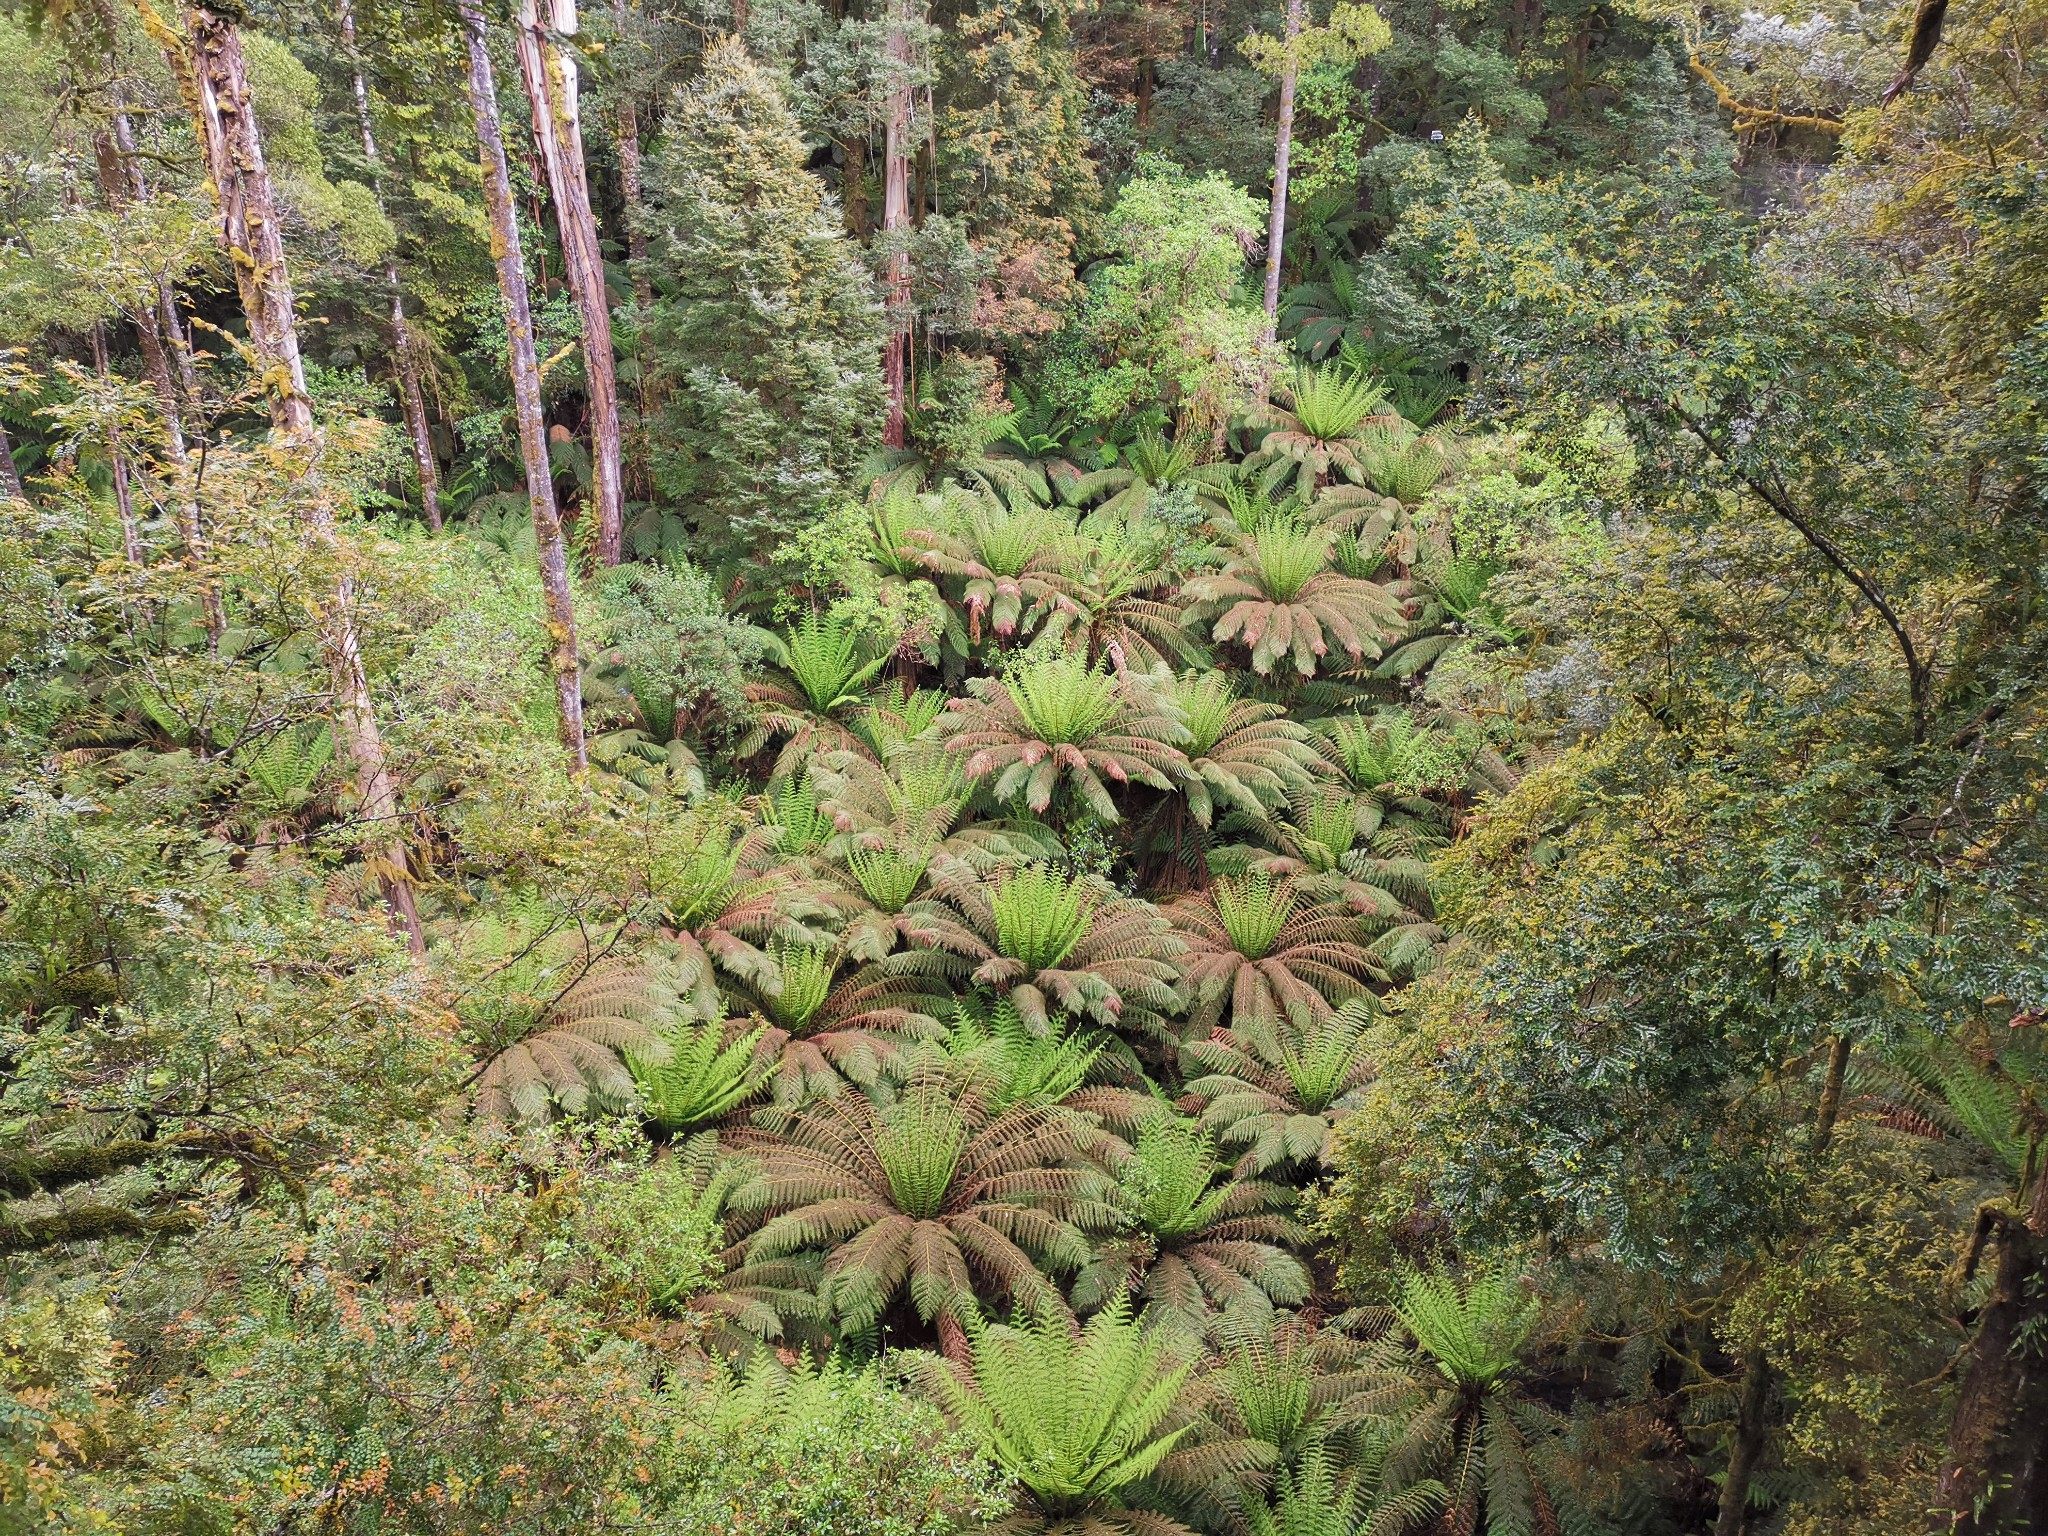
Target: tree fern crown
{"points": [[1063, 699], [1040, 916], [1254, 908]]}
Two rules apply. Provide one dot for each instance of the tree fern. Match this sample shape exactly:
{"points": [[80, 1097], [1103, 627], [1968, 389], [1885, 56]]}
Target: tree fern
{"points": [[282, 769], [805, 973], [1473, 1330], [554, 1018], [1040, 916], [888, 873], [1253, 910], [1014, 1064], [919, 1146], [1075, 1416], [1330, 402], [828, 659], [1062, 699], [701, 1077]]}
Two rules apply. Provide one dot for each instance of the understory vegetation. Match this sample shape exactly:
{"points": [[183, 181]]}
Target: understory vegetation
{"points": [[1092, 769]]}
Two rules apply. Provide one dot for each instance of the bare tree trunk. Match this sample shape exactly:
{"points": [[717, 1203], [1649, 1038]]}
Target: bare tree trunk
{"points": [[402, 355], [896, 223], [120, 179], [552, 91], [633, 189], [1830, 1109], [632, 186], [226, 120], [10, 476], [1995, 1478], [533, 443], [1748, 1449], [1283, 143], [124, 494]]}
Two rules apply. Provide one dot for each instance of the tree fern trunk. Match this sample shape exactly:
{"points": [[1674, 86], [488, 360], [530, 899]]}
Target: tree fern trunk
{"points": [[552, 90], [525, 364], [404, 363], [226, 121]]}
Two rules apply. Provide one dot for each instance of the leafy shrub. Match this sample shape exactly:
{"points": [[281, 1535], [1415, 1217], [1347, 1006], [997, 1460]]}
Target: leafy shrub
{"points": [[832, 1451]]}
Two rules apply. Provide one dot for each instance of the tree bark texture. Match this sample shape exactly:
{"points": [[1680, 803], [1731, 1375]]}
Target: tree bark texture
{"points": [[633, 191], [896, 224], [10, 476], [120, 179], [552, 89], [226, 120], [632, 186], [124, 493], [1283, 144], [1748, 1450], [404, 360], [533, 442], [1830, 1109], [1995, 1478]]}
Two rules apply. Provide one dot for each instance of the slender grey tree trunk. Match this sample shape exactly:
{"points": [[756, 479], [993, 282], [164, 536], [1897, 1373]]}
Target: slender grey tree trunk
{"points": [[896, 223], [633, 188], [404, 360], [1283, 144], [121, 181], [124, 493], [10, 476], [525, 363], [552, 90], [226, 120]]}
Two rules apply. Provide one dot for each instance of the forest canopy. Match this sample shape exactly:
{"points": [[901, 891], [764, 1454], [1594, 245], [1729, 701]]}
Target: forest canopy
{"points": [[1092, 768]]}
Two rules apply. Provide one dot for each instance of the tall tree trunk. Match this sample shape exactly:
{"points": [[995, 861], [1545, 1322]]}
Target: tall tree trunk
{"points": [[10, 475], [896, 223], [853, 186], [121, 180], [226, 120], [533, 439], [1830, 1109], [124, 494], [403, 358], [1743, 1457], [632, 189], [552, 90], [631, 185], [1283, 144], [1146, 70], [1995, 1478]]}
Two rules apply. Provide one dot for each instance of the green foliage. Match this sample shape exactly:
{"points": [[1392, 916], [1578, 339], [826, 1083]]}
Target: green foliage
{"points": [[824, 1451], [1474, 1330], [771, 401], [1253, 910], [1013, 1063], [1162, 321], [1075, 1417], [825, 656], [436, 1336], [1040, 916], [701, 1077]]}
